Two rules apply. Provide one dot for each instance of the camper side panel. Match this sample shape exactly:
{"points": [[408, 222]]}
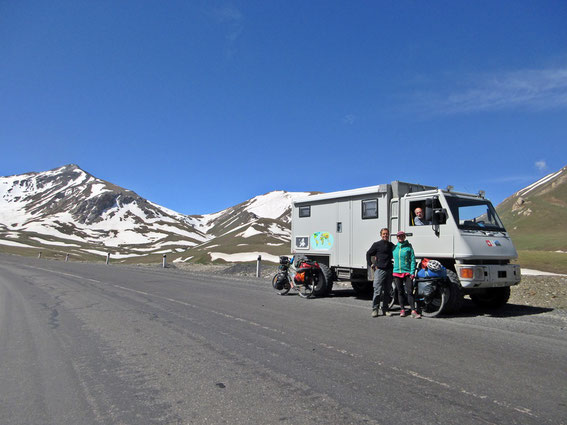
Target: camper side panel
{"points": [[314, 229], [342, 229], [366, 231]]}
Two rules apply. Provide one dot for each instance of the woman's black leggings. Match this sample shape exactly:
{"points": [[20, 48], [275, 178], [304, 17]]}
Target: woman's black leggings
{"points": [[408, 283]]}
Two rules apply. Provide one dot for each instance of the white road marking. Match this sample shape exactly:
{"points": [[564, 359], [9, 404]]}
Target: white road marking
{"points": [[65, 274]]}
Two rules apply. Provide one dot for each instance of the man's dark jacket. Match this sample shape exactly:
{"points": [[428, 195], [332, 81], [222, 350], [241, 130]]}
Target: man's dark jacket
{"points": [[383, 252]]}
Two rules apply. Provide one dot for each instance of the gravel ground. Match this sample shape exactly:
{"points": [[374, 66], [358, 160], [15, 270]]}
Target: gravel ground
{"points": [[534, 291], [541, 291]]}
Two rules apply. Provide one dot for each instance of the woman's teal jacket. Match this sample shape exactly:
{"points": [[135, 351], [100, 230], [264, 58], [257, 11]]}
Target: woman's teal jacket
{"points": [[404, 258]]}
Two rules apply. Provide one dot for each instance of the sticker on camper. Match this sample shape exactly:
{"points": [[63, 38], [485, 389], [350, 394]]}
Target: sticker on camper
{"points": [[321, 240], [302, 242]]}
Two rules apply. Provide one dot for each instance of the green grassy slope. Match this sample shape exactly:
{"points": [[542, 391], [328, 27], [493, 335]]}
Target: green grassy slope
{"points": [[537, 221]]}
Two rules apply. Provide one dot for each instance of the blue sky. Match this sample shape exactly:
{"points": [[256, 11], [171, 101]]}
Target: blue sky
{"points": [[200, 105]]}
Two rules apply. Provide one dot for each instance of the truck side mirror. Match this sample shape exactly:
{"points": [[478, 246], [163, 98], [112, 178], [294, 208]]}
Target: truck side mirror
{"points": [[435, 218], [429, 216], [429, 210], [439, 216]]}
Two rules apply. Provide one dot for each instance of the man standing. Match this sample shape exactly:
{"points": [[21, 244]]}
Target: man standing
{"points": [[383, 268], [420, 217]]}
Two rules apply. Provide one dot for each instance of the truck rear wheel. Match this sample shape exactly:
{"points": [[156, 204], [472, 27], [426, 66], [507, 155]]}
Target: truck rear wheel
{"points": [[492, 297], [325, 281]]}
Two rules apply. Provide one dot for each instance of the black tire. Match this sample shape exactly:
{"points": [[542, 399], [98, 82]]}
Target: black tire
{"points": [[324, 285], [363, 289], [456, 297], [436, 303], [285, 288], [492, 298]]}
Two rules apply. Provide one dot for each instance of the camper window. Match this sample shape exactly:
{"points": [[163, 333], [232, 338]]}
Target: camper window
{"points": [[369, 208], [305, 211]]}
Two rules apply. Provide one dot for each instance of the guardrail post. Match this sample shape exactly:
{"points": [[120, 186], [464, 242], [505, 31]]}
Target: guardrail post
{"points": [[258, 265], [107, 257], [164, 260]]}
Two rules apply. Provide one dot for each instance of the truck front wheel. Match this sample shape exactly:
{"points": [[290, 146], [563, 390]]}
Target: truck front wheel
{"points": [[456, 296], [492, 297]]}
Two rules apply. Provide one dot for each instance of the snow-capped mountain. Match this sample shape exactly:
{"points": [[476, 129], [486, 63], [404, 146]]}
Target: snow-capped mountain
{"points": [[261, 225], [67, 210]]}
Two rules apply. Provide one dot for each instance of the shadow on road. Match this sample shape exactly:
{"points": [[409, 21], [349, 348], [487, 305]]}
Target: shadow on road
{"points": [[349, 293], [469, 309]]}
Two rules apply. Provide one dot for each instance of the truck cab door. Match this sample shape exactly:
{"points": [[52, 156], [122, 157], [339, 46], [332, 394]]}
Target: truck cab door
{"points": [[394, 217], [426, 241]]}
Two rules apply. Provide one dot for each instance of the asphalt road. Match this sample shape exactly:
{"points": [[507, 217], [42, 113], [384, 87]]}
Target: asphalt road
{"points": [[97, 344]]}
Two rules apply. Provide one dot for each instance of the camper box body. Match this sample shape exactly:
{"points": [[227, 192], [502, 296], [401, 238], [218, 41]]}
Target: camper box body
{"points": [[338, 228]]}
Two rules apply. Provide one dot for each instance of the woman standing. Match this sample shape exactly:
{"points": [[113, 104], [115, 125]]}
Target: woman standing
{"points": [[404, 273]]}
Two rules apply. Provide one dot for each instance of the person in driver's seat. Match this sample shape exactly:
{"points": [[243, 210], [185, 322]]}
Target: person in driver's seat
{"points": [[419, 219]]}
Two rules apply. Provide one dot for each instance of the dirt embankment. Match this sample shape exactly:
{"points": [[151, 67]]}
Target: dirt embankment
{"points": [[534, 291], [541, 291]]}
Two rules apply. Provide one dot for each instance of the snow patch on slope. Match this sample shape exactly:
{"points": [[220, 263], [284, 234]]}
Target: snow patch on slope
{"points": [[244, 257], [541, 181], [273, 204]]}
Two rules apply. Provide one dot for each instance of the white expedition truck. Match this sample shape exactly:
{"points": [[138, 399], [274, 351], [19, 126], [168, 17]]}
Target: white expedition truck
{"points": [[465, 235]]}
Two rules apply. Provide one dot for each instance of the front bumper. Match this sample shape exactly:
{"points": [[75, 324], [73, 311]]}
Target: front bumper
{"points": [[488, 276]]}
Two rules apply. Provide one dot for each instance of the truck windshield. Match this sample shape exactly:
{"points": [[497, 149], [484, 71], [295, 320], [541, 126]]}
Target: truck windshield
{"points": [[474, 214]]}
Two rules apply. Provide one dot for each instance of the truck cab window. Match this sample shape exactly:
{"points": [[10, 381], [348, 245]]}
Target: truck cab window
{"points": [[435, 205], [413, 207], [475, 214], [305, 211]]}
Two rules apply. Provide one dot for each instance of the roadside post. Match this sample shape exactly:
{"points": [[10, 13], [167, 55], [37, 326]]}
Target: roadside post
{"points": [[258, 265], [66, 257], [39, 255], [107, 257], [164, 260]]}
